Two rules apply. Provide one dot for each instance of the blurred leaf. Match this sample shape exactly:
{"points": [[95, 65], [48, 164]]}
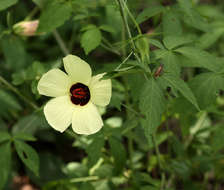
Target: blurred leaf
{"points": [[87, 186], [29, 124], [90, 40], [14, 52], [24, 137], [171, 23], [4, 4], [28, 155], [118, 152], [18, 77], [50, 164], [8, 103], [4, 136], [192, 17], [174, 41], [206, 87], [75, 169], [152, 105], [180, 85], [94, 150], [54, 14], [149, 12], [201, 58], [107, 28], [208, 39], [156, 43], [5, 163]]}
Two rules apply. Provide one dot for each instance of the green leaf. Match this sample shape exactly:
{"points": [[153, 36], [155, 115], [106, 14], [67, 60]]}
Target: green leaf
{"points": [[29, 124], [172, 42], [4, 136], [206, 88], [14, 52], [90, 40], [5, 163], [87, 186], [171, 63], [171, 23], [192, 17], [148, 13], [94, 150], [28, 155], [208, 39], [152, 105], [24, 137], [107, 28], [4, 4], [201, 58], [118, 152], [156, 43], [178, 84], [8, 103], [54, 14]]}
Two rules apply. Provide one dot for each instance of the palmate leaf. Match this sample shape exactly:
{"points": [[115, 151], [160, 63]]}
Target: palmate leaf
{"points": [[200, 57], [206, 87], [54, 14], [5, 162], [178, 84], [28, 155], [152, 105]]}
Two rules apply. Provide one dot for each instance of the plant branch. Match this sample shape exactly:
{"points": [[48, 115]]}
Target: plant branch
{"points": [[60, 42]]}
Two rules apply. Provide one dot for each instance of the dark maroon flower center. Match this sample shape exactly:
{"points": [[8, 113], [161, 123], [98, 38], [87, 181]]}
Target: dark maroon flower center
{"points": [[80, 94]]}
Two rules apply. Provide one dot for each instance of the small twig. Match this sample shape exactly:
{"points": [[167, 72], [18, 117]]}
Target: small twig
{"points": [[60, 42], [125, 60]]}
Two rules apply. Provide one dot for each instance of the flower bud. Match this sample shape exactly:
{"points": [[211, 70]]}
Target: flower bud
{"points": [[26, 28]]}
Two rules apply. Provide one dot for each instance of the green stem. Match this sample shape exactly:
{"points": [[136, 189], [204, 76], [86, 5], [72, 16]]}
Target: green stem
{"points": [[124, 19], [12, 88], [163, 177], [60, 42], [132, 18]]}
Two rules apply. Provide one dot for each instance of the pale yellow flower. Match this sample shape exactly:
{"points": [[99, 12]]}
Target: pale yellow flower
{"points": [[76, 95]]}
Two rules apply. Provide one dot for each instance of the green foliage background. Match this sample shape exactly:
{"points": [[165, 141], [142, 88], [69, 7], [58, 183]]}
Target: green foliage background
{"points": [[163, 127]]}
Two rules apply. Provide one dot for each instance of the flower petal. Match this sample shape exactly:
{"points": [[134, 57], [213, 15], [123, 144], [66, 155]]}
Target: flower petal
{"points": [[86, 120], [100, 90], [58, 113], [54, 83], [77, 69]]}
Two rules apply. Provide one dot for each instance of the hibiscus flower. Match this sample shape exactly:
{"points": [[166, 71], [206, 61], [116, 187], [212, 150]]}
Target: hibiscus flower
{"points": [[76, 96]]}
